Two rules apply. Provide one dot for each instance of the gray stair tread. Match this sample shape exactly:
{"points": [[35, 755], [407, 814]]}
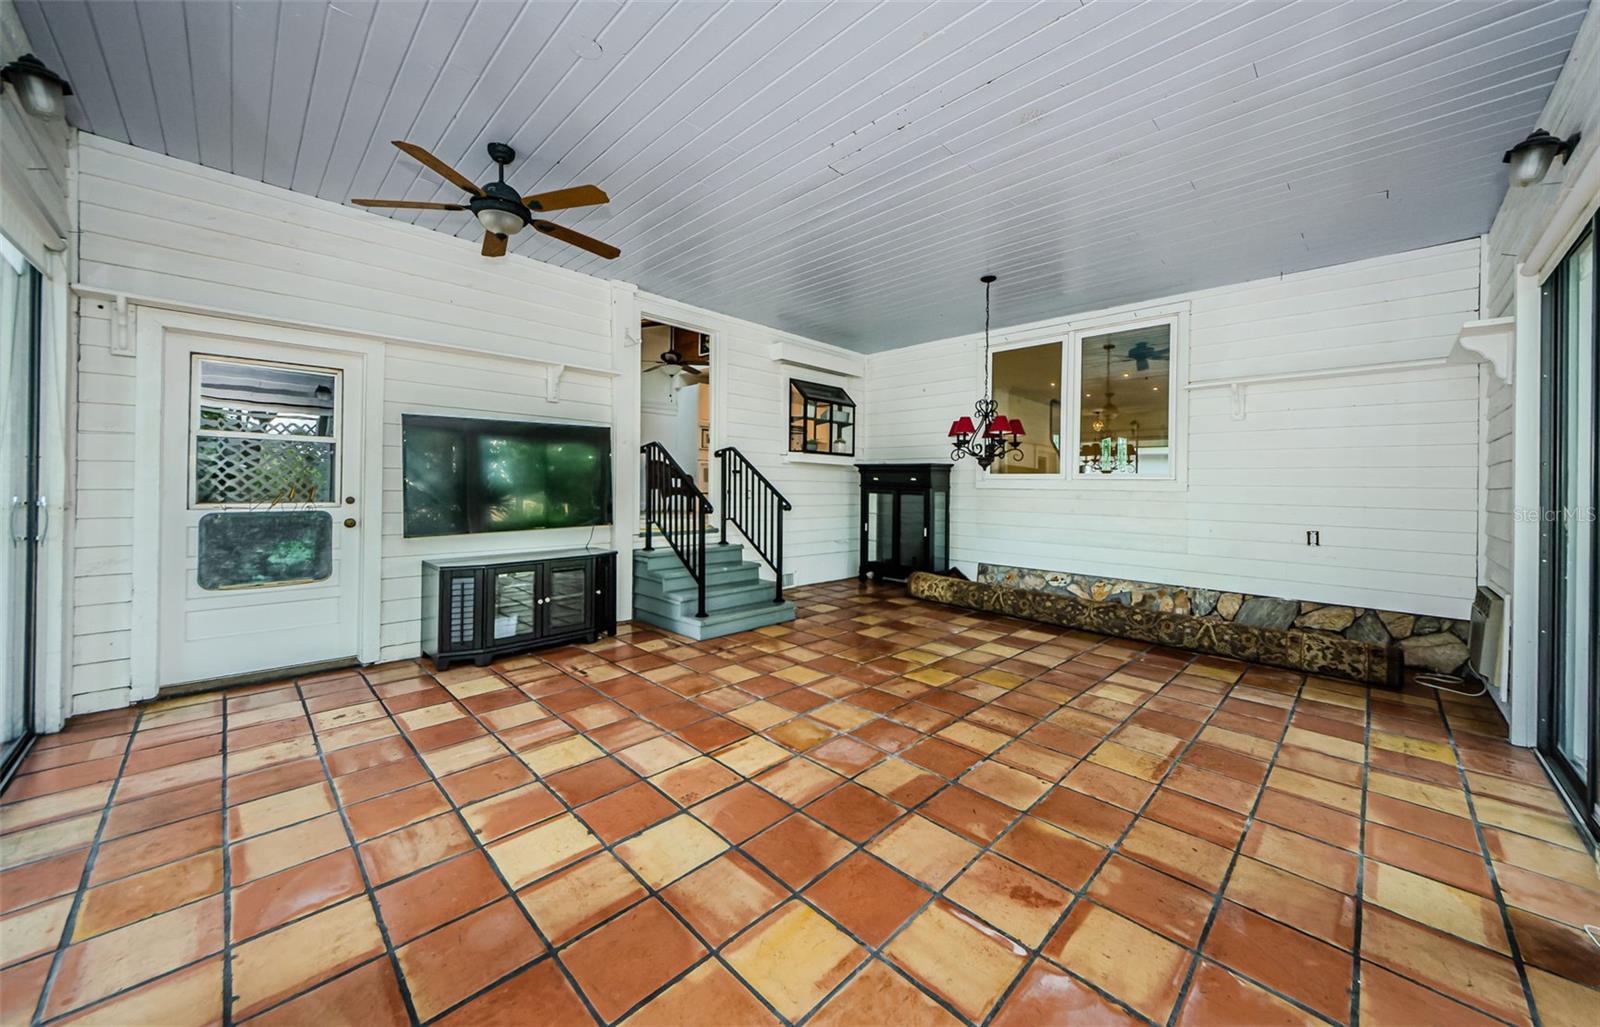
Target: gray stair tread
{"points": [[722, 622]]}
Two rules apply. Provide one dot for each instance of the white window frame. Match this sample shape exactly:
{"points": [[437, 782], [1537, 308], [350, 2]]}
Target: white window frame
{"points": [[1071, 335], [336, 439]]}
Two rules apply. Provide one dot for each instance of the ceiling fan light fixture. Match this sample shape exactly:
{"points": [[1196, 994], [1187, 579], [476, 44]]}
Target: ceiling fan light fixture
{"points": [[500, 222]]}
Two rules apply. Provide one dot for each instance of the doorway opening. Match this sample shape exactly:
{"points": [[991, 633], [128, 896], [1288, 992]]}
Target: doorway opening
{"points": [[675, 395]]}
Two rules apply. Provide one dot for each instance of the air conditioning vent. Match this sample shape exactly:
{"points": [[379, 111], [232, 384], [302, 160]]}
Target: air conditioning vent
{"points": [[1486, 639]]}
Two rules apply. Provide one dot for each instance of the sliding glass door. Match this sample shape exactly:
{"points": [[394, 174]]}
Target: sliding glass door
{"points": [[1568, 680], [19, 479]]}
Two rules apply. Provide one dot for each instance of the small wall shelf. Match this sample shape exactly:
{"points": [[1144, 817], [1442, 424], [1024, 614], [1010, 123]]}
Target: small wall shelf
{"points": [[1493, 341]]}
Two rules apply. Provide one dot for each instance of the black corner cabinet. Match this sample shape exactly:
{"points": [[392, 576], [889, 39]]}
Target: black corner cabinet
{"points": [[905, 519], [479, 607]]}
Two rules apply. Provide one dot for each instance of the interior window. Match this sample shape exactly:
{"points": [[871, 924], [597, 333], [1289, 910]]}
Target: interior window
{"points": [[822, 419], [1124, 410], [1027, 388]]}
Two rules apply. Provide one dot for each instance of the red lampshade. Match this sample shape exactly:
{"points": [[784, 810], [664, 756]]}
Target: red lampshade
{"points": [[999, 426], [961, 426], [1016, 427]]}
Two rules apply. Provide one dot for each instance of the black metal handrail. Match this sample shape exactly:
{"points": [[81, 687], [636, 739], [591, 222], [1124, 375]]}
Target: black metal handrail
{"points": [[756, 508], [676, 505]]}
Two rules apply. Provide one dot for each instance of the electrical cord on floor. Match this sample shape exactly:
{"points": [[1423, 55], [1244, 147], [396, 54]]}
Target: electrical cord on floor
{"points": [[1443, 683]]}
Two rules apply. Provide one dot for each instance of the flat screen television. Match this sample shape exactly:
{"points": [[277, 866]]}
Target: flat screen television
{"points": [[464, 475]]}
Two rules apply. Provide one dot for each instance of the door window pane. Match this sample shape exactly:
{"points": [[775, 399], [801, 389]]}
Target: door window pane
{"points": [[262, 472], [264, 434], [18, 494], [1575, 513], [1027, 388], [246, 548], [1124, 424]]}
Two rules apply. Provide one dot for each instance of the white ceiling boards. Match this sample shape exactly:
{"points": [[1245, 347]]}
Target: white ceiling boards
{"points": [[847, 170]]}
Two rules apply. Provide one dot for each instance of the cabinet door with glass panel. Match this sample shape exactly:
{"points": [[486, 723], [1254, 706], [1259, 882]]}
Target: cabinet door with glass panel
{"points": [[566, 597], [514, 594]]}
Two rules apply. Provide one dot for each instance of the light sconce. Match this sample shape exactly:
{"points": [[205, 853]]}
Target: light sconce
{"points": [[1530, 159], [40, 89]]}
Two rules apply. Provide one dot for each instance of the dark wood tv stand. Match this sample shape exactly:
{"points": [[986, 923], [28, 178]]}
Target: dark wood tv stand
{"points": [[479, 607]]}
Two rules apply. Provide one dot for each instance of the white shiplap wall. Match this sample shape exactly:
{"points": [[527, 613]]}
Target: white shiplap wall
{"points": [[1574, 106], [1384, 463], [156, 227], [750, 411]]}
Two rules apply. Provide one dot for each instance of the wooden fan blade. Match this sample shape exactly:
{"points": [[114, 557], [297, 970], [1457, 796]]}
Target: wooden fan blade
{"points": [[562, 199], [494, 245], [578, 239], [444, 170], [408, 204]]}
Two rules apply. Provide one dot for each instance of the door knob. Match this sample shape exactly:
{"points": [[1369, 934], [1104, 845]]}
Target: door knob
{"points": [[349, 522]]}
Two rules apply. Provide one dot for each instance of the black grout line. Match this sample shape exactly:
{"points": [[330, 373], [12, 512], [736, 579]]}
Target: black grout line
{"points": [[88, 869], [1115, 846], [652, 893], [1227, 875], [1361, 865], [777, 647], [355, 851], [227, 879], [570, 810], [1488, 858]]}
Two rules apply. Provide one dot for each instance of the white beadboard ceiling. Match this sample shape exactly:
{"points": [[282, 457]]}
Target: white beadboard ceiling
{"points": [[847, 170]]}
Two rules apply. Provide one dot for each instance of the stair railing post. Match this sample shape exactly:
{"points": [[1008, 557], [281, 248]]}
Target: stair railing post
{"points": [[778, 546], [722, 511], [700, 559], [649, 500]]}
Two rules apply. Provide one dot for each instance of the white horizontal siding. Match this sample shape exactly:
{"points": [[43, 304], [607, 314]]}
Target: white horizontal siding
{"points": [[102, 530], [420, 381], [751, 413], [154, 226], [159, 228], [1383, 463], [1573, 106]]}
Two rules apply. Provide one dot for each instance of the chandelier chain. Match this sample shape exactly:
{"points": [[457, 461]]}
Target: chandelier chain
{"points": [[986, 286]]}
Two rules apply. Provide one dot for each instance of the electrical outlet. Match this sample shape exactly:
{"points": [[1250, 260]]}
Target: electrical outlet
{"points": [[1313, 538]]}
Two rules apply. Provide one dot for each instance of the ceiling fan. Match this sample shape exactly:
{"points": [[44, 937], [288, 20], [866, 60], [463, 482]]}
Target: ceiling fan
{"points": [[1142, 353], [498, 207], [676, 364]]}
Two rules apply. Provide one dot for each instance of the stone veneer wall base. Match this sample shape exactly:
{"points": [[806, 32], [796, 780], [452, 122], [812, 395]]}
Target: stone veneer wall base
{"points": [[1314, 652]]}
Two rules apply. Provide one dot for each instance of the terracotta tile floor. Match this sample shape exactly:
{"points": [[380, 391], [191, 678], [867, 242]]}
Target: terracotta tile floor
{"points": [[888, 812]]}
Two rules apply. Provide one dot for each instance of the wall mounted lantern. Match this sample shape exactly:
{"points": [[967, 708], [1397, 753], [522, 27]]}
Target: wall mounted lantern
{"points": [[1530, 159], [40, 89]]}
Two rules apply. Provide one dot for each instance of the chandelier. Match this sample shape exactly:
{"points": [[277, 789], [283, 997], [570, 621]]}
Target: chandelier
{"points": [[987, 435]]}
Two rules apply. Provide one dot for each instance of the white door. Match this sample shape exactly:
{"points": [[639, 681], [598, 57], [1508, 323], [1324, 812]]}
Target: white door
{"points": [[261, 524]]}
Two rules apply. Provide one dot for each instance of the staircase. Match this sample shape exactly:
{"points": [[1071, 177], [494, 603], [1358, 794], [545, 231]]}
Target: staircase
{"points": [[737, 599], [695, 586]]}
